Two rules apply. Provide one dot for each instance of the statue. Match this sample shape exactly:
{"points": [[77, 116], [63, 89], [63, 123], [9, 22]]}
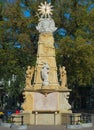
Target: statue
{"points": [[63, 76], [29, 75], [44, 74], [46, 25]]}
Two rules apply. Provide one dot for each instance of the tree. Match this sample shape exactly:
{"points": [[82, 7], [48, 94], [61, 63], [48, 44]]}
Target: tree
{"points": [[77, 47], [18, 45]]}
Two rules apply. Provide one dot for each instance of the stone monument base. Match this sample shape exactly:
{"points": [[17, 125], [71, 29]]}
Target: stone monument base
{"points": [[44, 118], [49, 109]]}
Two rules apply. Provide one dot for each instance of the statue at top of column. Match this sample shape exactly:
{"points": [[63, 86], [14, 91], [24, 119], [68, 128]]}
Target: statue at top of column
{"points": [[46, 23]]}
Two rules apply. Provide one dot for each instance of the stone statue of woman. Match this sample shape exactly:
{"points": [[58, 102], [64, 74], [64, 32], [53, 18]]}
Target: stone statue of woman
{"points": [[63, 76], [29, 75], [45, 74]]}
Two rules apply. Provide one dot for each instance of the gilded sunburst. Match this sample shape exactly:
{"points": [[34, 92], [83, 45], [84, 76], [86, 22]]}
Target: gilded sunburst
{"points": [[45, 10]]}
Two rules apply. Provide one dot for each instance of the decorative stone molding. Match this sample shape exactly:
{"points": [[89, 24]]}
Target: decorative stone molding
{"points": [[46, 25]]}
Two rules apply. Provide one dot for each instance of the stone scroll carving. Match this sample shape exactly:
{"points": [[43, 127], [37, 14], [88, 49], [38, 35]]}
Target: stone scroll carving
{"points": [[28, 102], [66, 106]]}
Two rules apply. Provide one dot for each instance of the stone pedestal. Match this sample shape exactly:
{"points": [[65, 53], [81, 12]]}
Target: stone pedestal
{"points": [[47, 109]]}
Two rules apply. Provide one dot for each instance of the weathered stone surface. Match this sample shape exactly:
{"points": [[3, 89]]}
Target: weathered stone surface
{"points": [[46, 25], [46, 54], [28, 101], [46, 103]]}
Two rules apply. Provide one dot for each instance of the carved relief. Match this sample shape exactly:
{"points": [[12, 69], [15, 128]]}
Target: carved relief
{"points": [[53, 76], [46, 25], [46, 50], [46, 38], [28, 102], [66, 106], [49, 60], [46, 45]]}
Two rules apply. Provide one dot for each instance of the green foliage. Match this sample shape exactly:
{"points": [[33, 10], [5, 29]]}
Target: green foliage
{"points": [[18, 45], [76, 50], [78, 57]]}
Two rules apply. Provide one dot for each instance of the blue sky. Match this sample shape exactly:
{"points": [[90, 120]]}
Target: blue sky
{"points": [[90, 7], [26, 13], [62, 32]]}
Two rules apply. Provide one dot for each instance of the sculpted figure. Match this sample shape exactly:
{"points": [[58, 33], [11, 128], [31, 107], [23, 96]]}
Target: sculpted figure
{"points": [[45, 74], [29, 75], [63, 76], [46, 25]]}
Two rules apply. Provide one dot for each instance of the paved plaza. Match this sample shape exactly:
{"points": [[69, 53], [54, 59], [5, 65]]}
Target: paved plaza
{"points": [[49, 127], [46, 127]]}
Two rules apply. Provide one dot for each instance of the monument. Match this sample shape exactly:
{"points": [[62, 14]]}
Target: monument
{"points": [[45, 98]]}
